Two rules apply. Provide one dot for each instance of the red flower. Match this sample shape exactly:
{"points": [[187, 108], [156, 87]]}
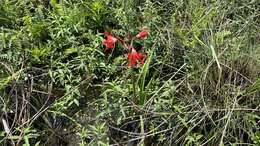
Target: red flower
{"points": [[133, 56], [142, 34], [110, 41]]}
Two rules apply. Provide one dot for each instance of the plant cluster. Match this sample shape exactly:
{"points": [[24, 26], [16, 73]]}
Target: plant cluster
{"points": [[133, 55]]}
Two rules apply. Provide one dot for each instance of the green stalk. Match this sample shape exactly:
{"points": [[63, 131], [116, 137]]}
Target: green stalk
{"points": [[133, 82]]}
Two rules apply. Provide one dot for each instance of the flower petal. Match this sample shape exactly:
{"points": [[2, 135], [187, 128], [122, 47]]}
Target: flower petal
{"points": [[110, 41]]}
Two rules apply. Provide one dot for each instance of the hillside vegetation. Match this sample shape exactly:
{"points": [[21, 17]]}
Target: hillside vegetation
{"points": [[129, 72]]}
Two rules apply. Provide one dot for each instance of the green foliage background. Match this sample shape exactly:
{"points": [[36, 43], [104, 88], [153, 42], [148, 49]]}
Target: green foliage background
{"points": [[199, 86]]}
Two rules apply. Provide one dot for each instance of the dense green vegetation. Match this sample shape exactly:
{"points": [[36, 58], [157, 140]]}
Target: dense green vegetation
{"points": [[200, 84]]}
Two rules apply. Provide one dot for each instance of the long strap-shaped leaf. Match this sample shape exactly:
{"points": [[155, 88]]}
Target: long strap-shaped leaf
{"points": [[142, 76]]}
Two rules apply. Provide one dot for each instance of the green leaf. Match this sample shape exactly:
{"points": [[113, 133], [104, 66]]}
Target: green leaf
{"points": [[141, 78], [76, 101], [70, 51]]}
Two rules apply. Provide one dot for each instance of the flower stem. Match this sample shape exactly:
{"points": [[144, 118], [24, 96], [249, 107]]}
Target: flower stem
{"points": [[133, 82]]}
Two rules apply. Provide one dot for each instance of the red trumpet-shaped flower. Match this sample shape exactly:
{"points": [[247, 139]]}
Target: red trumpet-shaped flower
{"points": [[142, 34], [133, 56], [110, 41]]}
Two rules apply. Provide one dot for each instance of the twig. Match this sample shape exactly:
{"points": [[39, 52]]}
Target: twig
{"points": [[7, 130]]}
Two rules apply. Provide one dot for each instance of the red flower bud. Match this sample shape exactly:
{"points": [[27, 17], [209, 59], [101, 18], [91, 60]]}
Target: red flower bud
{"points": [[142, 34]]}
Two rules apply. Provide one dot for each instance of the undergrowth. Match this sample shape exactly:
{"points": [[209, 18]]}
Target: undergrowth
{"points": [[199, 84]]}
